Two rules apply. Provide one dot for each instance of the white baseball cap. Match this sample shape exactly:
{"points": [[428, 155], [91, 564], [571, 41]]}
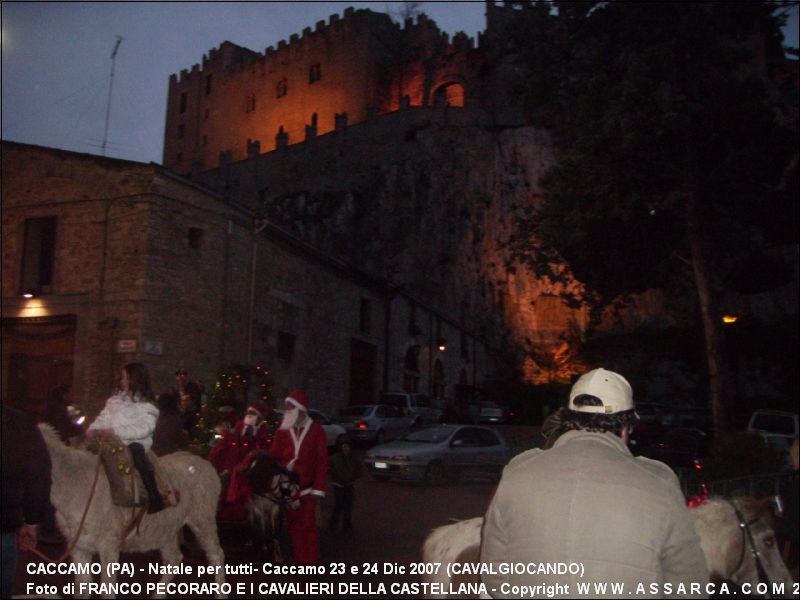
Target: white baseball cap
{"points": [[612, 388]]}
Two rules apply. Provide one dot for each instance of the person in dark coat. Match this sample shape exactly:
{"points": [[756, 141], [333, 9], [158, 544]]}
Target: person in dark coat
{"points": [[344, 468], [25, 491], [169, 435], [189, 400], [57, 415]]}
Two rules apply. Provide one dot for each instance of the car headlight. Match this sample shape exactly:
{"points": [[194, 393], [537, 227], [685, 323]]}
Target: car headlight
{"points": [[401, 457]]}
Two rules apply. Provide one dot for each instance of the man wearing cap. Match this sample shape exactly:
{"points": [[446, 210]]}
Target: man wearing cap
{"points": [[300, 446], [588, 502]]}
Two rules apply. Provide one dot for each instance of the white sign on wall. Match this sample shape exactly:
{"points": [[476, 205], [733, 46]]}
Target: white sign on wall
{"points": [[126, 346]]}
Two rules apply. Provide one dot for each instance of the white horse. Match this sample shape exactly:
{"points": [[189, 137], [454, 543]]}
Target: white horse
{"points": [[725, 542], [73, 474]]}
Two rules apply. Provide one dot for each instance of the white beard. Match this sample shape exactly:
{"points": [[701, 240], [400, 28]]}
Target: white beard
{"points": [[289, 418]]}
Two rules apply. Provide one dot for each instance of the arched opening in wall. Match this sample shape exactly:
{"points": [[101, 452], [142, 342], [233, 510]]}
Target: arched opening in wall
{"points": [[438, 380], [449, 94], [411, 370]]}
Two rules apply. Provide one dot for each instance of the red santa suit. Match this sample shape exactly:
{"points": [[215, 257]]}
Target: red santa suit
{"points": [[304, 450], [232, 453]]}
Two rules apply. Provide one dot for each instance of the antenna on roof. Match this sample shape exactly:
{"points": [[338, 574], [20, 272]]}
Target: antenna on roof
{"points": [[110, 87]]}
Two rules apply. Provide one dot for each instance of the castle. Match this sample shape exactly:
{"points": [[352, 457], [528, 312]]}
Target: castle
{"points": [[353, 137], [337, 209], [239, 103]]}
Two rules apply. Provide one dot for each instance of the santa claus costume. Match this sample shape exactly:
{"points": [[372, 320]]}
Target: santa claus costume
{"points": [[233, 454], [302, 448]]}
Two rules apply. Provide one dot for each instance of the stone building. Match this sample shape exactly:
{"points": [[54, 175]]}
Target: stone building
{"points": [[123, 261]]}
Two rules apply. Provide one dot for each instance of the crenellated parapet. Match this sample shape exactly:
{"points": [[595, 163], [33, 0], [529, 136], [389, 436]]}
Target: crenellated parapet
{"points": [[357, 63]]}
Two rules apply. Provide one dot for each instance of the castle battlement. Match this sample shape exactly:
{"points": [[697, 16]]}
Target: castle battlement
{"points": [[236, 96]]}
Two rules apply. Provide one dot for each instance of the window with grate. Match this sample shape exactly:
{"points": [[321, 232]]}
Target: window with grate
{"points": [[38, 256], [314, 73], [281, 88], [286, 346]]}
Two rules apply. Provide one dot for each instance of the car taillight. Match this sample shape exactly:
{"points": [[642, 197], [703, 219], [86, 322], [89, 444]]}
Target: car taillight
{"points": [[362, 425], [698, 466]]}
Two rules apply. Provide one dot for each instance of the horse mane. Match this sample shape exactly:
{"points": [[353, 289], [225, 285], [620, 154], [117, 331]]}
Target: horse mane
{"points": [[61, 452]]}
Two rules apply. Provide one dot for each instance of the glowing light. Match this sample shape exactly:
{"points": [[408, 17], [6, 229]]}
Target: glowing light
{"points": [[729, 319]]}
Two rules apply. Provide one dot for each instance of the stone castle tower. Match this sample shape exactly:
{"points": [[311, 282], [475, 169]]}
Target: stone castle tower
{"points": [[394, 148], [241, 102]]}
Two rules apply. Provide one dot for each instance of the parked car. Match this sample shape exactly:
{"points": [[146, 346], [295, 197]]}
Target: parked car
{"points": [[433, 453], [417, 406], [332, 430], [681, 448], [374, 422], [778, 427], [491, 412]]}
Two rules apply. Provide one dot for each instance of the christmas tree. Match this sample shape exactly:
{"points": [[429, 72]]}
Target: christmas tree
{"points": [[236, 387]]}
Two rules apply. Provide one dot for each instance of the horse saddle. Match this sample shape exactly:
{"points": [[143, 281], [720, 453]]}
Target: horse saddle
{"points": [[127, 487]]}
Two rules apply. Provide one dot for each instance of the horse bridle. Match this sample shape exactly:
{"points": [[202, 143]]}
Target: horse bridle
{"points": [[747, 538]]}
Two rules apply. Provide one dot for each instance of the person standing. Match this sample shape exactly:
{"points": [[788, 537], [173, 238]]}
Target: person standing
{"points": [[300, 446], [189, 399], [57, 414], [345, 469], [588, 501], [169, 435], [131, 415], [25, 491]]}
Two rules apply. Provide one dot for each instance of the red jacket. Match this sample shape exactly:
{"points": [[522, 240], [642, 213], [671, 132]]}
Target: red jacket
{"points": [[309, 461], [234, 447]]}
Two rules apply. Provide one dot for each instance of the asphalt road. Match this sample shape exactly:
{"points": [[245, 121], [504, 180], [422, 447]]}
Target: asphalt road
{"points": [[391, 521]]}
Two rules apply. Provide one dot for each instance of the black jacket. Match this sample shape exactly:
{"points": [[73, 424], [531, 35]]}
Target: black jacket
{"points": [[26, 472]]}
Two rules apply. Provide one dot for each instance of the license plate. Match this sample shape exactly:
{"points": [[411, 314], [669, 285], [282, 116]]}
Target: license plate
{"points": [[381, 465]]}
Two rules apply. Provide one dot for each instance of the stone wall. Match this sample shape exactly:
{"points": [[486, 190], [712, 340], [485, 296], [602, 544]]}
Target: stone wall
{"points": [[427, 198]]}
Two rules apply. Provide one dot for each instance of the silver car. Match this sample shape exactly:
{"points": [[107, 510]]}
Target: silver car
{"points": [[332, 431], [435, 453], [374, 422]]}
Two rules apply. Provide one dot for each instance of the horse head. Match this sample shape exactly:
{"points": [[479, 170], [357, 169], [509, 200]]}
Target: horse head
{"points": [[739, 542]]}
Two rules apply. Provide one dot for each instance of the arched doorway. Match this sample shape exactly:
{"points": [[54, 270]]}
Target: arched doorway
{"points": [[449, 94]]}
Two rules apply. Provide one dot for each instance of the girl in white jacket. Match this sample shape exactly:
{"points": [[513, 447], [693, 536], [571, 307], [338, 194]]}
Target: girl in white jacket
{"points": [[131, 415]]}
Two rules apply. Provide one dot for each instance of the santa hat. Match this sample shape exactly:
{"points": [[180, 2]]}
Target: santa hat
{"points": [[257, 407], [299, 399]]}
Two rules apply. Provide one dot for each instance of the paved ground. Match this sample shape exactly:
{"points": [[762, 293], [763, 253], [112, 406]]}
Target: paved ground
{"points": [[391, 522]]}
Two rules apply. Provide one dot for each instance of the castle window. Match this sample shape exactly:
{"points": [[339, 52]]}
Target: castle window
{"points": [[364, 316], [38, 256], [182, 108], [208, 84], [285, 346], [314, 73], [250, 102], [282, 88], [181, 130]]}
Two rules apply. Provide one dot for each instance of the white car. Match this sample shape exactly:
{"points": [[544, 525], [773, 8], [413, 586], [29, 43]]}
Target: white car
{"points": [[332, 430], [374, 422]]}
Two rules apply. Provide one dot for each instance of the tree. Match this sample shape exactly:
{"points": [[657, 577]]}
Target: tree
{"points": [[667, 142]]}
